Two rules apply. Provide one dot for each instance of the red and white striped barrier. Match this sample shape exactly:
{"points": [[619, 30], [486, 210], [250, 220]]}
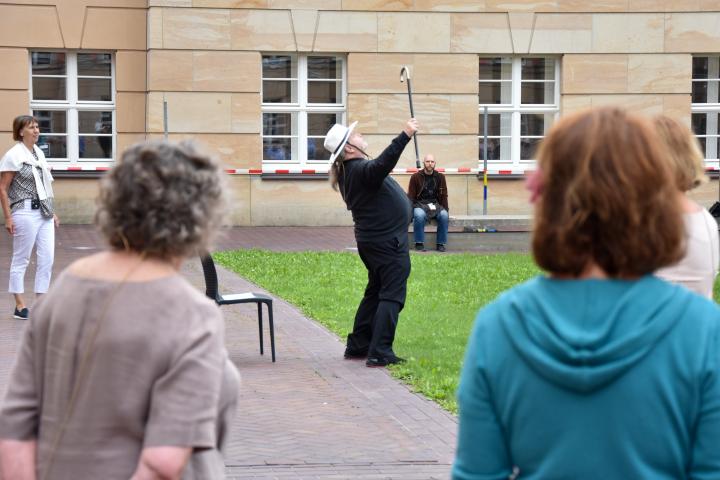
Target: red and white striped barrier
{"points": [[397, 171], [309, 171], [78, 168]]}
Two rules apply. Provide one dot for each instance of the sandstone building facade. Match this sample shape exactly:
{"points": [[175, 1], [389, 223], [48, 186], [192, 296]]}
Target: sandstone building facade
{"points": [[258, 82]]}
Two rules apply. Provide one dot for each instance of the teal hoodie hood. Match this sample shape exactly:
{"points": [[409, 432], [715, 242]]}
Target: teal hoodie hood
{"points": [[583, 334]]}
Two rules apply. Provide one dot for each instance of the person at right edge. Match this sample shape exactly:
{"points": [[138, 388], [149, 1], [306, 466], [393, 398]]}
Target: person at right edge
{"points": [[381, 213], [598, 369], [699, 267]]}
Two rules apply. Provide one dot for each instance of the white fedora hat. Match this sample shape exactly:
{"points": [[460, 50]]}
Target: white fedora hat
{"points": [[336, 138]]}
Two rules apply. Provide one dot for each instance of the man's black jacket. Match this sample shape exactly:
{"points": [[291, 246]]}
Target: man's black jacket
{"points": [[380, 207]]}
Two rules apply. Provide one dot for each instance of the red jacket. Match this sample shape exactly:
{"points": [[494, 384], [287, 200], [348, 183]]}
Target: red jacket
{"points": [[416, 185]]}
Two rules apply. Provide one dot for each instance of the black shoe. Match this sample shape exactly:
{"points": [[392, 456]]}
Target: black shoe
{"points": [[419, 246], [440, 247], [21, 314], [375, 362], [355, 354]]}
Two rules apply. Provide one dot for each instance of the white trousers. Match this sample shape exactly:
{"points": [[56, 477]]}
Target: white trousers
{"points": [[32, 229]]}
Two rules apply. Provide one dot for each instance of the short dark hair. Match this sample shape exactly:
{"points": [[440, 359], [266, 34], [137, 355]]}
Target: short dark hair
{"points": [[608, 196], [161, 199], [21, 122]]}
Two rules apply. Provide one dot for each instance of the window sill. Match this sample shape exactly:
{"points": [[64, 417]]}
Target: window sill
{"points": [[78, 173], [295, 176]]}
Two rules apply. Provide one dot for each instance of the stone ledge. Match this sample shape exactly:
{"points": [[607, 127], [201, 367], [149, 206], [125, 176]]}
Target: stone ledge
{"points": [[470, 223]]}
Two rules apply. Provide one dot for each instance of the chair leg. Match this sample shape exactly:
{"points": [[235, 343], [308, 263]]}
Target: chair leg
{"points": [[272, 330], [260, 326]]}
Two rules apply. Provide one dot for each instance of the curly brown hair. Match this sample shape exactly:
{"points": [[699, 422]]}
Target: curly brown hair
{"points": [[608, 196], [161, 199]]}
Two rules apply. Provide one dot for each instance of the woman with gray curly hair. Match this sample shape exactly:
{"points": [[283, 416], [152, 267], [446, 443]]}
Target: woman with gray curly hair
{"points": [[123, 372]]}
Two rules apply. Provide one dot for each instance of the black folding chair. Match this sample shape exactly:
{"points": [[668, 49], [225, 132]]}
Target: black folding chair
{"points": [[212, 291]]}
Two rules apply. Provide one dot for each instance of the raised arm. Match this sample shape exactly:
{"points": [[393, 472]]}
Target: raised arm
{"points": [[376, 170]]}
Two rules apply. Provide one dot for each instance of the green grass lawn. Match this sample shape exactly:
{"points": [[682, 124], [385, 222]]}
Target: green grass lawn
{"points": [[444, 295]]}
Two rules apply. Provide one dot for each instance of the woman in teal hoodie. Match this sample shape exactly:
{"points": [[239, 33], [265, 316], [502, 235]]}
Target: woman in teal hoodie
{"points": [[598, 370]]}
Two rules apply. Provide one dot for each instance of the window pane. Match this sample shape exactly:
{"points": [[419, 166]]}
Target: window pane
{"points": [[95, 147], [499, 124], [48, 63], [316, 150], [710, 146], [324, 67], [94, 89], [53, 146], [528, 147], [700, 121], [535, 124], [278, 148], [48, 88], [699, 92], [278, 66], [279, 124], [538, 69], [700, 67], [324, 92], [537, 93], [51, 121], [495, 69], [705, 91], [94, 64], [279, 91], [495, 93], [498, 149], [320, 123], [95, 122]]}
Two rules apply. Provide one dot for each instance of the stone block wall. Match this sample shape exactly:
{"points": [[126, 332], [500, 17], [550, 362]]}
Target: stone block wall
{"points": [[118, 26], [203, 57]]}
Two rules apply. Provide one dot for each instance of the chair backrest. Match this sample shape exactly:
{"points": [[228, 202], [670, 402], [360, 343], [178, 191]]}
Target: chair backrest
{"points": [[211, 279]]}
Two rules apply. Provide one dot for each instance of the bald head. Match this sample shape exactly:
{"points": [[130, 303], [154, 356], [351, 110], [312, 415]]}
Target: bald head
{"points": [[429, 163]]}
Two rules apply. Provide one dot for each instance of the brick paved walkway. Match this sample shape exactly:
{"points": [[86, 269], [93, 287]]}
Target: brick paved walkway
{"points": [[311, 415]]}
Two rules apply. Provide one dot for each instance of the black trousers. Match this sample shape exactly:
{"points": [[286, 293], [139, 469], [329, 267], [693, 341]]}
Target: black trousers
{"points": [[388, 266]]}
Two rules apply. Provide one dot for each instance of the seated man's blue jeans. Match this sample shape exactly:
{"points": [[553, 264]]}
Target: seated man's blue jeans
{"points": [[419, 220]]}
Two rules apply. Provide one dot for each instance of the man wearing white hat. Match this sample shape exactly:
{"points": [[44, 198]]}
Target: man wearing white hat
{"points": [[381, 212]]}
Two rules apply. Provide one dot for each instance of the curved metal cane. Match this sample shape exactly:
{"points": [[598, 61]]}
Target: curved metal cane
{"points": [[405, 77]]}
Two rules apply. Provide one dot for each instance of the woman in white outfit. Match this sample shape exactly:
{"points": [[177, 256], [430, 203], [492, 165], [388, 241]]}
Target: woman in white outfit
{"points": [[27, 202], [699, 266]]}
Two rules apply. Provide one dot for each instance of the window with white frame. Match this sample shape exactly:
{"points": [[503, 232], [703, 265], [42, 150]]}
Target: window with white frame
{"points": [[706, 105], [72, 94], [522, 99], [302, 97]]}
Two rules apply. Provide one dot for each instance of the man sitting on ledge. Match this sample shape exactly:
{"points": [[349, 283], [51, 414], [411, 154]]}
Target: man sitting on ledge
{"points": [[428, 194]]}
